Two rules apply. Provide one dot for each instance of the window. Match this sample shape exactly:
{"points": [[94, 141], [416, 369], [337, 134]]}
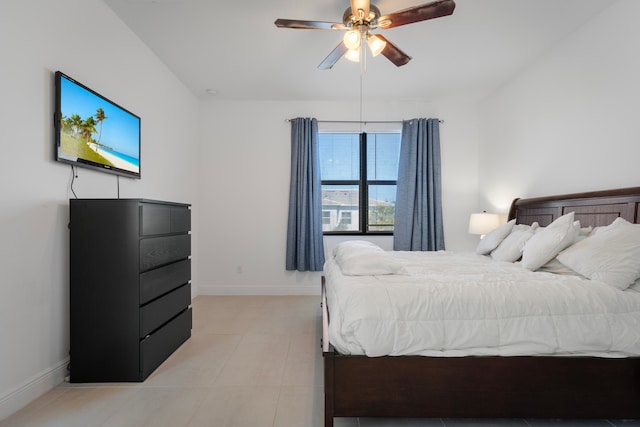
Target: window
{"points": [[326, 217], [358, 173]]}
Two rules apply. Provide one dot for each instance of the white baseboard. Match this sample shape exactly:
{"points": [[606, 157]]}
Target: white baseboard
{"points": [[30, 390], [245, 290]]}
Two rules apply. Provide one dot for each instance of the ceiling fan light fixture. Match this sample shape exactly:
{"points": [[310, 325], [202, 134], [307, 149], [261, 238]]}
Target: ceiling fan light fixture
{"points": [[353, 55], [352, 39], [376, 44], [359, 19]]}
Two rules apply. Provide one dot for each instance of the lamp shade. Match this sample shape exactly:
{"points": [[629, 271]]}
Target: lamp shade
{"points": [[352, 39], [376, 44], [482, 223], [353, 55]]}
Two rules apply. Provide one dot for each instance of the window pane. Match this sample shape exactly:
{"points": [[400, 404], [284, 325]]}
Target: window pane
{"points": [[326, 217], [339, 156], [383, 152], [340, 208], [382, 207]]}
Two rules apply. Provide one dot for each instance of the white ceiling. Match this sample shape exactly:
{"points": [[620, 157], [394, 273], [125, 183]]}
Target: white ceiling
{"points": [[234, 47]]}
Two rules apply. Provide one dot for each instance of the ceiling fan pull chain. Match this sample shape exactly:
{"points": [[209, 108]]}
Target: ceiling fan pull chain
{"points": [[361, 79], [363, 51]]}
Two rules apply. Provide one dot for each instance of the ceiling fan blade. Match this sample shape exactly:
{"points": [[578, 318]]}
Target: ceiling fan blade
{"points": [[393, 53], [423, 12], [360, 4], [308, 25], [333, 57]]}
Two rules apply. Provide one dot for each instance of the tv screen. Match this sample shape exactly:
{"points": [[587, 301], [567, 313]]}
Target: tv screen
{"points": [[92, 131]]}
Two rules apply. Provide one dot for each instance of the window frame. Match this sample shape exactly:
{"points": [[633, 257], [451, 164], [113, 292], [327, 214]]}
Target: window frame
{"points": [[363, 185]]}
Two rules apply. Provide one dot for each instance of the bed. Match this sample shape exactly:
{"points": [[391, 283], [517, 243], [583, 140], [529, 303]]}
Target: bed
{"points": [[593, 383]]}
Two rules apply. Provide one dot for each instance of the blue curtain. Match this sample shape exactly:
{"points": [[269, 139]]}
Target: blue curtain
{"points": [[305, 248], [418, 216]]}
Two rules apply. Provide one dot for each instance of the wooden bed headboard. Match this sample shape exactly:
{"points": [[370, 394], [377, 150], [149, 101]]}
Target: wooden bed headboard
{"points": [[596, 208]]}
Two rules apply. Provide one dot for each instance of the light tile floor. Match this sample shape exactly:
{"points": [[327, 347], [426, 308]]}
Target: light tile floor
{"points": [[251, 362]]}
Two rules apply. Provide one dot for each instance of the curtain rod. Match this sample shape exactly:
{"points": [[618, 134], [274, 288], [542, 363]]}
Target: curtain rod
{"points": [[358, 121]]}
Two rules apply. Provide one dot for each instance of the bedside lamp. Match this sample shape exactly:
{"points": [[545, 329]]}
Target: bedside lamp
{"points": [[482, 223]]}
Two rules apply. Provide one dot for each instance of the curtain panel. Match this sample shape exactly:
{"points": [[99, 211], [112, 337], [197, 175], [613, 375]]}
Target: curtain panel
{"points": [[418, 216], [305, 248]]}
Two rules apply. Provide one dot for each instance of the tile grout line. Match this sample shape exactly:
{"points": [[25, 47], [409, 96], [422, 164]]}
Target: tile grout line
{"points": [[284, 370], [228, 357]]}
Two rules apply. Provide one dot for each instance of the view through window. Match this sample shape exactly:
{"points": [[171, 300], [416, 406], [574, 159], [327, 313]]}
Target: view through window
{"points": [[358, 173]]}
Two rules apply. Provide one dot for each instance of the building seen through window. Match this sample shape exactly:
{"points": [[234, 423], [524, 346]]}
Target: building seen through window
{"points": [[358, 173]]}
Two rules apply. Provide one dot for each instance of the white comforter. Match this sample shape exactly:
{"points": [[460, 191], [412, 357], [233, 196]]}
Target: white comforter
{"points": [[453, 304]]}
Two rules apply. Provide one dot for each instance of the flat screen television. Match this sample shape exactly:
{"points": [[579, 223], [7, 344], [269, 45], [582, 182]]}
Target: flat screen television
{"points": [[94, 132]]}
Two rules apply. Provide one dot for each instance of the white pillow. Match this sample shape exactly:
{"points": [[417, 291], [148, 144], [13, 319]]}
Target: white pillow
{"points": [[353, 245], [585, 231], [363, 258], [611, 256], [491, 240], [368, 263], [556, 267], [547, 242], [510, 249]]}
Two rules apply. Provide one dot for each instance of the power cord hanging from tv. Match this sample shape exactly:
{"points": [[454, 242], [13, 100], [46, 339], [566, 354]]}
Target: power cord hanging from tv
{"points": [[74, 175]]}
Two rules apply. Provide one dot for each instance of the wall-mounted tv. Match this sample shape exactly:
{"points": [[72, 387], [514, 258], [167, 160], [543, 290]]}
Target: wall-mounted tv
{"points": [[94, 132]]}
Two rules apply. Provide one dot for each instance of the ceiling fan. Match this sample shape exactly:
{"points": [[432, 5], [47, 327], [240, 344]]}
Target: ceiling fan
{"points": [[362, 17]]}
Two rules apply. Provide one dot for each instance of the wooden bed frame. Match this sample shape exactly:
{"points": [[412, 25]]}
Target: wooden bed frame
{"points": [[493, 387]]}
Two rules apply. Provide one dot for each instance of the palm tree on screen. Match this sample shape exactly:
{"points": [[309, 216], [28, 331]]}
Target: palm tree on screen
{"points": [[89, 128], [75, 122], [100, 117]]}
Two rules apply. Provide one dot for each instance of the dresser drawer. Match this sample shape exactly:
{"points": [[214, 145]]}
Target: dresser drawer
{"points": [[155, 348], [157, 312], [180, 220], [158, 251], [160, 219], [159, 281]]}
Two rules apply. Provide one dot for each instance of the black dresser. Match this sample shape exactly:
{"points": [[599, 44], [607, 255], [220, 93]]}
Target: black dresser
{"points": [[130, 289]]}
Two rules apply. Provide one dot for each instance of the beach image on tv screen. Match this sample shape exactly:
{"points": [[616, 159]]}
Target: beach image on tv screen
{"points": [[93, 129]]}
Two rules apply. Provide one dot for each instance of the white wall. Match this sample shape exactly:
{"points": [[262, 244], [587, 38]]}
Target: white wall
{"points": [[568, 123], [85, 40], [245, 167]]}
